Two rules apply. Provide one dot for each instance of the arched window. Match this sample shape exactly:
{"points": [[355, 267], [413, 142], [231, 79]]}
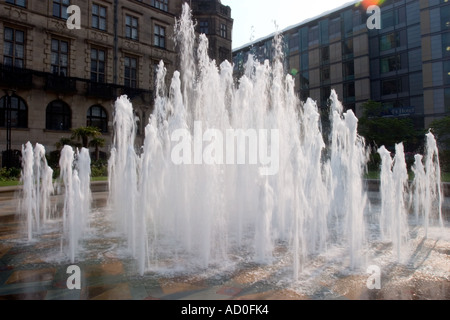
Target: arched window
{"points": [[19, 112], [58, 116], [97, 117]]}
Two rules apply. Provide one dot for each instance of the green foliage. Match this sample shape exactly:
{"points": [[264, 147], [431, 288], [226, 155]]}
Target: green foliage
{"points": [[441, 129], [379, 130], [10, 174], [84, 133]]}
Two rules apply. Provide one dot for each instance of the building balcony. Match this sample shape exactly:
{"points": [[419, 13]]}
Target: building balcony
{"points": [[101, 90], [17, 78], [60, 84]]}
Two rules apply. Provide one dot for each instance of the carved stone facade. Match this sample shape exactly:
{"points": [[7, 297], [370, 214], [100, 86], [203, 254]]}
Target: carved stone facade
{"points": [[54, 78]]}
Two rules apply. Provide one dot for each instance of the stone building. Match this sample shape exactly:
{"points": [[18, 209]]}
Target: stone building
{"points": [[55, 77]]}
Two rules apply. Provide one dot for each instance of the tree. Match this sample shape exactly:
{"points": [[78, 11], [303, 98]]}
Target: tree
{"points": [[97, 143], [380, 129], [84, 133], [441, 129]]}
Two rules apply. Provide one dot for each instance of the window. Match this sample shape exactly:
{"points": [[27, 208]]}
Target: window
{"points": [[389, 41], [304, 61], [445, 44], [60, 57], [224, 54], [325, 93], [204, 27], [98, 58], [446, 72], [130, 72], [60, 8], [58, 116], [325, 55], [347, 23], [97, 117], [160, 4], [348, 70], [325, 74], [21, 3], [18, 115], [335, 28], [347, 49], [98, 17], [313, 35], [391, 63], [160, 36], [223, 31], [304, 86], [392, 86], [294, 42], [445, 18], [447, 99], [349, 91], [14, 47], [131, 27], [304, 39]]}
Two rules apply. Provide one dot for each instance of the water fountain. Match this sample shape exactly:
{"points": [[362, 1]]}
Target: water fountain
{"points": [[37, 183], [185, 209], [230, 173], [38, 188]]}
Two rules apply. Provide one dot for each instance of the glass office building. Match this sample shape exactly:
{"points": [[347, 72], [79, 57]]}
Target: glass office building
{"points": [[405, 64]]}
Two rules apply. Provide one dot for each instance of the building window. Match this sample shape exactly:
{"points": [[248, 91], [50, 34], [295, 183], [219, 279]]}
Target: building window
{"points": [[58, 116], [348, 70], [130, 78], [98, 17], [446, 72], [160, 36], [446, 44], [223, 31], [224, 54], [447, 99], [392, 86], [204, 27], [325, 55], [98, 118], [389, 41], [391, 63], [20, 3], [325, 93], [347, 49], [304, 61], [313, 35], [294, 42], [14, 47], [19, 112], [160, 4], [98, 63], [60, 8], [325, 75], [131, 27], [60, 57], [349, 92]]}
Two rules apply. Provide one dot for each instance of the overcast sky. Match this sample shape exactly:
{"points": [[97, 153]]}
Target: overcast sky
{"points": [[254, 19]]}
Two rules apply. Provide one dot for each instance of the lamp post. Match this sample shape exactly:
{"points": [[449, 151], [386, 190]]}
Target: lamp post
{"points": [[9, 94]]}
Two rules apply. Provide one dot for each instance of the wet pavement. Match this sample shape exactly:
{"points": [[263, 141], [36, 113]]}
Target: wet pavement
{"points": [[37, 270]]}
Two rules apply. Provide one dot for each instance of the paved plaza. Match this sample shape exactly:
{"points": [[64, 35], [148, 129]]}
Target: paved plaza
{"points": [[37, 270]]}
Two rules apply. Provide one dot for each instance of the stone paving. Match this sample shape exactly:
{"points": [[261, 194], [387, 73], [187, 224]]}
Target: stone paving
{"points": [[34, 270]]}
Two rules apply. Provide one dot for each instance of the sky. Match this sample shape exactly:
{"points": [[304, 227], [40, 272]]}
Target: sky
{"points": [[254, 19]]}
